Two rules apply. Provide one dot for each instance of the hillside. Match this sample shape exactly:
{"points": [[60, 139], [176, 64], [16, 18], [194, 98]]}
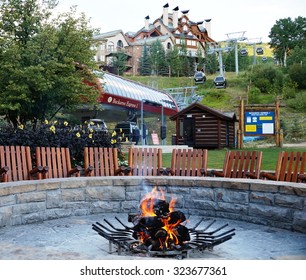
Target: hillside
{"points": [[228, 100]]}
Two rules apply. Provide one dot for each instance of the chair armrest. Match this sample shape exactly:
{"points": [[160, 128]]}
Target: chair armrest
{"points": [[162, 171], [251, 175], [3, 173], [37, 170], [125, 171], [216, 173], [302, 177], [89, 171], [169, 171], [267, 175], [4, 170], [75, 171], [203, 172]]}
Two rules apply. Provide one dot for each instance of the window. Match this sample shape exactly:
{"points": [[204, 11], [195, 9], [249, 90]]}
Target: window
{"points": [[110, 47], [120, 44], [169, 46]]}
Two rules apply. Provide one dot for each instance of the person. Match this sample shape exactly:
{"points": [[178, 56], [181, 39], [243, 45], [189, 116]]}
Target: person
{"points": [[136, 135]]}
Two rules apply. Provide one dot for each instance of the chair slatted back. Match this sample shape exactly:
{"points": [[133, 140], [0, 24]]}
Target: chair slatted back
{"points": [[145, 161], [57, 160], [103, 161], [290, 165], [188, 162], [239, 163], [18, 160]]}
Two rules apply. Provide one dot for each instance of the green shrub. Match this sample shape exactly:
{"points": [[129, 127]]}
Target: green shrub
{"points": [[268, 78], [298, 103], [297, 73], [55, 134]]}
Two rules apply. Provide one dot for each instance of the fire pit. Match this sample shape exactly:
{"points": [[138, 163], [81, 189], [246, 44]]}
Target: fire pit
{"points": [[160, 230]]}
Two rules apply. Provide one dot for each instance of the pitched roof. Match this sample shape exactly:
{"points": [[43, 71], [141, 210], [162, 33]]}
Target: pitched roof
{"points": [[226, 116], [108, 34]]}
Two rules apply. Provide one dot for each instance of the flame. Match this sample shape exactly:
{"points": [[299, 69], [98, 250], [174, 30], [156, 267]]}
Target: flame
{"points": [[147, 203], [147, 210]]}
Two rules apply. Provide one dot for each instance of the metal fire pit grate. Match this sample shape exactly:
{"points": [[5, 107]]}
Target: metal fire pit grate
{"points": [[122, 239]]}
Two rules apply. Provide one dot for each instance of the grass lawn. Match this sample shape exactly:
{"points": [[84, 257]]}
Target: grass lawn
{"points": [[216, 157]]}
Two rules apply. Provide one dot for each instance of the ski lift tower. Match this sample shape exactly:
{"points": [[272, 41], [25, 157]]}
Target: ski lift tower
{"points": [[236, 37], [254, 42], [213, 49]]}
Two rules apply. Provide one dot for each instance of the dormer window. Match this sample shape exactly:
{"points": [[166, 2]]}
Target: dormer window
{"points": [[185, 28]]}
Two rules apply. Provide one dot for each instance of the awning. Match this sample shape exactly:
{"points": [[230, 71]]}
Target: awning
{"points": [[129, 95]]}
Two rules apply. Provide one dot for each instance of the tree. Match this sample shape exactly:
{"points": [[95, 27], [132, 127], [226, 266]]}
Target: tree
{"points": [[186, 63], [285, 35], [174, 61], [144, 62], [119, 63], [42, 60], [157, 58]]}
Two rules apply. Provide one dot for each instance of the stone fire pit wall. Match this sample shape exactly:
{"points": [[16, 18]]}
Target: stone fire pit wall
{"points": [[277, 204]]}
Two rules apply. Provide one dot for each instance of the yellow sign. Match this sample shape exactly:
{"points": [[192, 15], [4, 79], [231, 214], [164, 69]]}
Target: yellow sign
{"points": [[268, 118], [250, 128]]}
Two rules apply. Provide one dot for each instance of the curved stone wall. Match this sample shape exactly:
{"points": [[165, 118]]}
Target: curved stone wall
{"points": [[277, 204]]}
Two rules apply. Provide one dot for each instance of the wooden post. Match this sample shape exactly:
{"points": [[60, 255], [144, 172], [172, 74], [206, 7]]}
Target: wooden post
{"points": [[240, 132], [277, 124]]}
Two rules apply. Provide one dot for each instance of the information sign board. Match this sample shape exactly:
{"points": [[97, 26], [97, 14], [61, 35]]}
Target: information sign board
{"points": [[259, 123]]}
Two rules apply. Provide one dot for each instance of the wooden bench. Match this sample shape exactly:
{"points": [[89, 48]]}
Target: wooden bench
{"points": [[56, 162], [16, 164], [240, 164], [187, 162], [145, 162], [100, 161], [290, 167]]}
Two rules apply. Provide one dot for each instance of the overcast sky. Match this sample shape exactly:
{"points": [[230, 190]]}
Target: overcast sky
{"points": [[256, 17]]}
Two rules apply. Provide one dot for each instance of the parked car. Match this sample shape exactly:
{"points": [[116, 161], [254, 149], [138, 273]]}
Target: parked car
{"points": [[259, 51], [220, 82], [97, 125], [264, 59], [199, 77], [129, 129], [243, 52]]}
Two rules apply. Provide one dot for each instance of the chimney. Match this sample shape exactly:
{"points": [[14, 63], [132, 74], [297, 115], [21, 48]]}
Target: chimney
{"points": [[185, 12], [147, 22], [175, 17], [165, 14], [208, 26]]}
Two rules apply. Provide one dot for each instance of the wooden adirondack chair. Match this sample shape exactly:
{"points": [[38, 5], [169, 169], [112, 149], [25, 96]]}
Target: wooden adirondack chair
{"points": [[187, 162], [290, 167], [16, 164], [101, 161], [240, 164], [56, 162], [145, 161]]}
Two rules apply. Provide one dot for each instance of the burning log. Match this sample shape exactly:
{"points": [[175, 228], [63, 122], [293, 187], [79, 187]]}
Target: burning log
{"points": [[158, 228]]}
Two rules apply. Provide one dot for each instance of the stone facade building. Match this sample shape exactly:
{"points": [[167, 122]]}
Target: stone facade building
{"points": [[170, 29]]}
